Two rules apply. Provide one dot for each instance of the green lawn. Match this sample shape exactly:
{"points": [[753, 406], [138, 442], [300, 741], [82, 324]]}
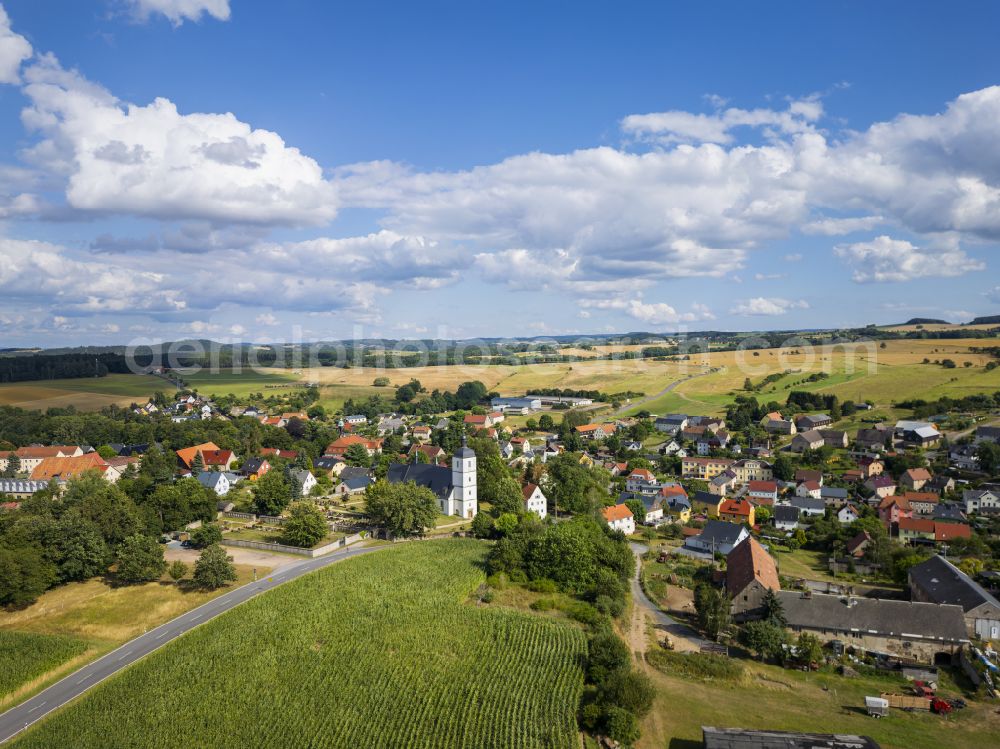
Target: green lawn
{"points": [[383, 650], [770, 697], [241, 384]]}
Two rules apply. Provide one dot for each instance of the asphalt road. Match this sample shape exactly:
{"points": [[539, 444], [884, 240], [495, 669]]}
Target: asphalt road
{"points": [[18, 718]]}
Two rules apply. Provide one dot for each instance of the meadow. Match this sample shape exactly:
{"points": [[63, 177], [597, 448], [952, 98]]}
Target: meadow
{"points": [[357, 654], [75, 623], [770, 697]]}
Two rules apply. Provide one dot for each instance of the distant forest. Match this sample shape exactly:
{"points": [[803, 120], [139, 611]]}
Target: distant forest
{"points": [[60, 366]]}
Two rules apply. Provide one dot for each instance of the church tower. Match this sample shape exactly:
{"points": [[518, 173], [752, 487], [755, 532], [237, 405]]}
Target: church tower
{"points": [[463, 478]]}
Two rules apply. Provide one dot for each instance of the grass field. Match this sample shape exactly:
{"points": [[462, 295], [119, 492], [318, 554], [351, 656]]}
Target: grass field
{"points": [[769, 697], [86, 394], [99, 616], [25, 656], [357, 654]]}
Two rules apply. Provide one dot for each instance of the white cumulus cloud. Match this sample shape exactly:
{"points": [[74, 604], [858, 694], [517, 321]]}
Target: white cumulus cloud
{"points": [[154, 161], [14, 50], [887, 259], [767, 306], [179, 11]]}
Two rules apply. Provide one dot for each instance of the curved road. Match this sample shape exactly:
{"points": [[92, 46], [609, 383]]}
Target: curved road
{"points": [[660, 618], [655, 396], [21, 716]]}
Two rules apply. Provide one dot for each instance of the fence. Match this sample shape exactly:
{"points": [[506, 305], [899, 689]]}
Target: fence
{"points": [[270, 519], [283, 549], [240, 516]]}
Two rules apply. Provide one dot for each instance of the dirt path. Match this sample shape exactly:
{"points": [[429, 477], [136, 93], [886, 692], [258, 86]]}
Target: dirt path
{"points": [[684, 638], [655, 396]]}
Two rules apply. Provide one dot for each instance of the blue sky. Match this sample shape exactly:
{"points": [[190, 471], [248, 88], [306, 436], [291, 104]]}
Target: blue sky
{"points": [[241, 169]]}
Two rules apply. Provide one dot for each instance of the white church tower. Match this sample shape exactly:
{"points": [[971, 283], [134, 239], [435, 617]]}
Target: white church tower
{"points": [[464, 502]]}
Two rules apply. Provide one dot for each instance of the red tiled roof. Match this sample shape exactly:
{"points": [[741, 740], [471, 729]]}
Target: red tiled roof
{"points": [[735, 507], [948, 531], [616, 512], [747, 562]]}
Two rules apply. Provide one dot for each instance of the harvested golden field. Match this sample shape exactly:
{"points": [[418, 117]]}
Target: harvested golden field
{"points": [[86, 394]]}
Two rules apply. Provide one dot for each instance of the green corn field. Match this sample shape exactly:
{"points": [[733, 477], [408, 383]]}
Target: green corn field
{"points": [[384, 650], [25, 656]]}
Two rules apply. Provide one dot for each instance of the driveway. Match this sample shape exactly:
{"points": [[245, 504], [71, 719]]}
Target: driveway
{"points": [[683, 637]]}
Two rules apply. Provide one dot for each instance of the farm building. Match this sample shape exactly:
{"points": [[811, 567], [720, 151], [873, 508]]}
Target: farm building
{"points": [[922, 632], [739, 738], [750, 573], [939, 581]]}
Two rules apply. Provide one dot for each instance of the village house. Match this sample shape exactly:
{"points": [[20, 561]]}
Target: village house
{"points": [[872, 439], [914, 478], [833, 496], [808, 440], [620, 518], [217, 481], [421, 433], [922, 503], [892, 508], [717, 537], [353, 485], [30, 457], [938, 581], [834, 438], [981, 501], [306, 480], [940, 484], [595, 431], [775, 423], [919, 433], [675, 507], [809, 489], [807, 422], [737, 511], [341, 445], [762, 492], [751, 469], [857, 546], [870, 466], [847, 514], [65, 469], [723, 483], [330, 465], [750, 574], [534, 500], [639, 480], [811, 506], [670, 424], [923, 632], [704, 468], [220, 459], [706, 503], [254, 468], [808, 474], [881, 486], [786, 517], [274, 452], [433, 453]]}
